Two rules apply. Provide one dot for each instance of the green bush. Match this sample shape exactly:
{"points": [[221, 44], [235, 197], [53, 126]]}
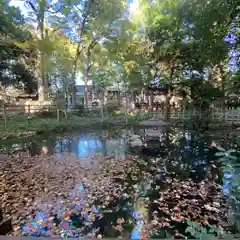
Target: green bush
{"points": [[79, 109], [112, 106], [46, 114], [198, 123], [95, 112]]}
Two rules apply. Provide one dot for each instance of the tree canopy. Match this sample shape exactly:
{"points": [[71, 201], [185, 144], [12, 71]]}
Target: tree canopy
{"points": [[170, 40], [17, 55]]}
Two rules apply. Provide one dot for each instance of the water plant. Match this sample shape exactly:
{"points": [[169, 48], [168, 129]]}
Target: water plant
{"points": [[230, 160]]}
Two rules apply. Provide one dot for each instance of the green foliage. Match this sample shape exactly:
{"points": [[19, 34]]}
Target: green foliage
{"points": [[17, 55], [112, 106], [201, 92], [18, 126], [200, 232], [79, 110], [59, 54], [233, 82], [187, 35], [198, 123], [230, 160], [163, 38], [46, 114]]}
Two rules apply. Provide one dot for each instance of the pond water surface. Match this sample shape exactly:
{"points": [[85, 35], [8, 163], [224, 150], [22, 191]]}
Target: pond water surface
{"points": [[183, 155]]}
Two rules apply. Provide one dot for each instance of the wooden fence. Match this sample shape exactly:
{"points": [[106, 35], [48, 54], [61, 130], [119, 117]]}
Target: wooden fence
{"points": [[27, 109], [216, 114], [8, 110]]}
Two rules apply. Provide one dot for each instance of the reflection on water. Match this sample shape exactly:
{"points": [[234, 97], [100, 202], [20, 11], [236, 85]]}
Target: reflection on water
{"points": [[83, 145], [89, 145], [185, 155]]}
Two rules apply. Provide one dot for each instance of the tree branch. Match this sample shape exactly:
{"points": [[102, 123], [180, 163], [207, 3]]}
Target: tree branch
{"points": [[54, 11], [80, 10], [32, 6], [80, 32], [90, 65]]}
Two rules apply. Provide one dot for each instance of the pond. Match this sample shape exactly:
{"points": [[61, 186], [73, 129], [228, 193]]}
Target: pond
{"points": [[148, 196], [83, 145]]}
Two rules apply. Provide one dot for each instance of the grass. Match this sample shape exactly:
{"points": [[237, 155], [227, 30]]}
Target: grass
{"points": [[18, 126]]}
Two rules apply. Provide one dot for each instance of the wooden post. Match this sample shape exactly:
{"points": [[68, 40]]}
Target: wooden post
{"points": [[226, 115], [28, 114], [65, 111], [29, 109], [65, 114], [126, 109], [102, 104], [4, 114], [57, 114]]}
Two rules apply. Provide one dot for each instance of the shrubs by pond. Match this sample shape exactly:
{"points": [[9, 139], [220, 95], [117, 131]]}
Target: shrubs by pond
{"points": [[200, 124], [230, 160], [109, 109], [19, 126], [79, 110]]}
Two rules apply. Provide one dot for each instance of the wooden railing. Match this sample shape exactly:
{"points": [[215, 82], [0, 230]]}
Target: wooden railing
{"points": [[216, 114], [8, 110], [26, 108]]}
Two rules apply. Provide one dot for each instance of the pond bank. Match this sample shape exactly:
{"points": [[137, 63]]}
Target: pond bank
{"points": [[19, 127]]}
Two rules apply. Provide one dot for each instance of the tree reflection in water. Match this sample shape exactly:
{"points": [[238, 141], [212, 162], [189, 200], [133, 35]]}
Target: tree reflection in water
{"points": [[87, 146]]}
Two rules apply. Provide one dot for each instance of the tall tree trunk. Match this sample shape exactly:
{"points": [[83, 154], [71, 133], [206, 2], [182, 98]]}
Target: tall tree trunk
{"points": [[221, 69], [45, 70], [119, 100], [79, 50], [86, 78], [168, 97], [126, 108], [42, 86], [87, 67], [102, 103], [86, 74], [210, 74], [168, 106]]}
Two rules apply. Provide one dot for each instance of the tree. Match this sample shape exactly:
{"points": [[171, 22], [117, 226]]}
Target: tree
{"points": [[89, 17], [103, 77], [59, 60], [211, 23], [127, 49], [98, 30], [187, 35], [18, 53], [163, 22]]}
